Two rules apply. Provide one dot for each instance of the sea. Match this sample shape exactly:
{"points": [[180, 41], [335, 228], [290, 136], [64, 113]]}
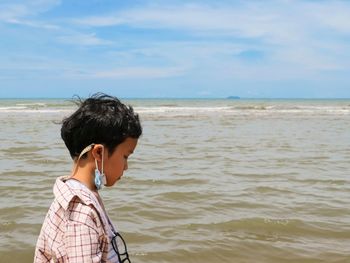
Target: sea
{"points": [[211, 180]]}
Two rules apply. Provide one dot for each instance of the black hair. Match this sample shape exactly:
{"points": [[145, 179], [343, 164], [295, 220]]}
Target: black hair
{"points": [[100, 119]]}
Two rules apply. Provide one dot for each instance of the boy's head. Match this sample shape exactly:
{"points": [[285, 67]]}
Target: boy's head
{"points": [[100, 119]]}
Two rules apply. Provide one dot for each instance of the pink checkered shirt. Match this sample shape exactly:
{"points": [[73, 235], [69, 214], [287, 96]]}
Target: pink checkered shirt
{"points": [[74, 229]]}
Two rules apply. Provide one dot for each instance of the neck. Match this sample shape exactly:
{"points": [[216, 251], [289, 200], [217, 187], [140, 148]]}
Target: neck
{"points": [[85, 175]]}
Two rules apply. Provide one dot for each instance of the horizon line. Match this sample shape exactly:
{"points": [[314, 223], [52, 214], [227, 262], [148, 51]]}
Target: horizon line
{"points": [[184, 98]]}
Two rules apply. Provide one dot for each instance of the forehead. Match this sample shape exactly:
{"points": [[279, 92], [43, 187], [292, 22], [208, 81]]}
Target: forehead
{"points": [[129, 144]]}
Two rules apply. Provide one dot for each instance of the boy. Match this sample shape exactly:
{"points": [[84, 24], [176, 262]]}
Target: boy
{"points": [[100, 136]]}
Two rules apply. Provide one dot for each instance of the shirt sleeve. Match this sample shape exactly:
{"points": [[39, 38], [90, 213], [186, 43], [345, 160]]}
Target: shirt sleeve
{"points": [[82, 243]]}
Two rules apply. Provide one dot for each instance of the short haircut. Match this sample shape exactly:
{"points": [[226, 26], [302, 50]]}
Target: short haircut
{"points": [[100, 119]]}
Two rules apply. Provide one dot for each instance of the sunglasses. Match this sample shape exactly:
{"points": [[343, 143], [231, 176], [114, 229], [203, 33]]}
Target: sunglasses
{"points": [[120, 249]]}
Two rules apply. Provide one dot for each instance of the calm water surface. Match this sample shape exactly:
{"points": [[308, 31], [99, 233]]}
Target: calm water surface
{"points": [[211, 180]]}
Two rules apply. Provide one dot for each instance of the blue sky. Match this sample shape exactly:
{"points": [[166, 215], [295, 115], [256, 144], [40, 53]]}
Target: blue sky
{"points": [[284, 49]]}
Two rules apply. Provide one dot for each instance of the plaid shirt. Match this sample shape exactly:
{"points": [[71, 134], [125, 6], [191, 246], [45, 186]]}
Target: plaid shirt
{"points": [[74, 229]]}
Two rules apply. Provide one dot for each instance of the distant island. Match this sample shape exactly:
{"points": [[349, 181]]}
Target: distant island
{"points": [[233, 98]]}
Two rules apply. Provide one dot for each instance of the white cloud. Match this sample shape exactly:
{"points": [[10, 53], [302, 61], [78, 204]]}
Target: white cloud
{"points": [[21, 12], [99, 21], [35, 24], [287, 29], [83, 39], [139, 72], [286, 23], [297, 39], [188, 17], [332, 15], [12, 12], [22, 9]]}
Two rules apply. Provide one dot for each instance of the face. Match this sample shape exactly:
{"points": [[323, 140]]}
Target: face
{"points": [[116, 163]]}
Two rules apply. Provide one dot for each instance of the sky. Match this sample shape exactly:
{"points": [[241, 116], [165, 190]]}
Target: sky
{"points": [[175, 49]]}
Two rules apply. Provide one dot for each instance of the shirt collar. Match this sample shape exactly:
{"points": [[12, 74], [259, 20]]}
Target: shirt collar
{"points": [[64, 194]]}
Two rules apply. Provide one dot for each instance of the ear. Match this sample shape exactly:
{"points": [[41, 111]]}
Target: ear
{"points": [[97, 152]]}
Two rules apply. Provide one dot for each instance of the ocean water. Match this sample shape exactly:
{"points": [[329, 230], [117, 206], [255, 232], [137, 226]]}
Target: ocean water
{"points": [[236, 181]]}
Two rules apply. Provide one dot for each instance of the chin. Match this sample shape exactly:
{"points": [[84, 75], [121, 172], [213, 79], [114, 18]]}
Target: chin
{"points": [[107, 184], [110, 184]]}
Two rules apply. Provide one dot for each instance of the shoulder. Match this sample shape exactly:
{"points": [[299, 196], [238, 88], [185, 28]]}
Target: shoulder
{"points": [[79, 212], [66, 231], [74, 211], [75, 204]]}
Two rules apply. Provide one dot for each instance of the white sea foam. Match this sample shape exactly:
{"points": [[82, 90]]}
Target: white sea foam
{"points": [[12, 108], [161, 109], [36, 104], [23, 109], [244, 110], [196, 107]]}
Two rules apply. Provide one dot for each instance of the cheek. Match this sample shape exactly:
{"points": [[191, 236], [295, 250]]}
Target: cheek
{"points": [[116, 165]]}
